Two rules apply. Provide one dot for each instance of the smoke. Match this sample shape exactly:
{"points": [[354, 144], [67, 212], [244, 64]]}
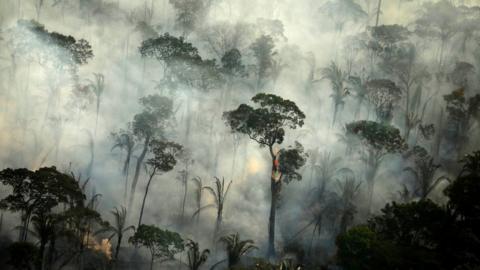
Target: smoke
{"points": [[45, 121]]}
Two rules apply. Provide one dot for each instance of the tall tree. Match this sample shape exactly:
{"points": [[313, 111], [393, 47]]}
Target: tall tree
{"points": [[438, 20], [37, 192], [379, 140], [186, 160], [146, 126], [236, 248], [219, 193], [198, 196], [343, 11], [189, 14], [196, 258], [424, 171], [97, 86], [383, 95], [263, 51], [125, 140], [164, 159], [266, 125], [463, 112], [162, 244], [337, 78], [119, 228]]}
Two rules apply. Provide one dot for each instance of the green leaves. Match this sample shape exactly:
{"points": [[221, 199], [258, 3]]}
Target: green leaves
{"points": [[378, 136], [290, 160], [162, 244], [168, 48], [40, 190], [164, 155], [265, 124], [154, 118], [52, 45]]}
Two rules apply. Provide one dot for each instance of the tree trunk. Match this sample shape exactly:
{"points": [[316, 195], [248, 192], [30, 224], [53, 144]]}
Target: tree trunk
{"points": [[96, 118], [41, 253], [138, 167], [145, 198], [271, 222], [274, 189], [371, 172], [378, 12], [117, 249], [126, 169], [185, 191]]}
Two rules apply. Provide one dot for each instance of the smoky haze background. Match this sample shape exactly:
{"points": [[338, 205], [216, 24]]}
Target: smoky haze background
{"points": [[31, 137]]}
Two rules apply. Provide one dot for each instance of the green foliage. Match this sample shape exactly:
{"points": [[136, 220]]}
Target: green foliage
{"points": [[196, 258], [22, 255], [380, 137], [383, 94], [290, 160], [265, 124], [236, 247], [263, 51], [38, 191], [63, 50], [465, 190], [162, 244], [169, 49], [232, 63], [424, 171], [417, 224], [165, 155], [421, 235], [360, 249], [438, 20], [342, 11], [459, 75], [189, 13], [153, 119]]}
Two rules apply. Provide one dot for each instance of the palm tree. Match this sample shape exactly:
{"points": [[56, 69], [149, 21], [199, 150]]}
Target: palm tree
{"points": [[186, 159], [336, 77], [125, 141], [359, 88], [326, 168], [198, 196], [97, 86], [195, 257], [119, 228], [236, 247], [424, 172], [348, 192], [219, 193]]}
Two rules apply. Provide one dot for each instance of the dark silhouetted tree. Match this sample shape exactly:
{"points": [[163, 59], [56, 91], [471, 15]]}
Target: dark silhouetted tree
{"points": [[165, 155], [379, 140], [162, 244], [266, 125], [146, 126], [196, 258], [236, 248]]}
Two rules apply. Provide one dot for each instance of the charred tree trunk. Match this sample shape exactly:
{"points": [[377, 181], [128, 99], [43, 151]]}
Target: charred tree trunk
{"points": [[145, 198], [137, 170], [274, 190]]}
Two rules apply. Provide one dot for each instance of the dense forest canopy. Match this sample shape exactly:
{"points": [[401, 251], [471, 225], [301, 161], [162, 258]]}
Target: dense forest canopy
{"points": [[214, 134]]}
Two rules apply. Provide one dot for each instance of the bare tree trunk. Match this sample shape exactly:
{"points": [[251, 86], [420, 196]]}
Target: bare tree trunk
{"points": [[137, 171], [117, 249], [145, 198], [378, 12], [274, 190], [185, 191]]}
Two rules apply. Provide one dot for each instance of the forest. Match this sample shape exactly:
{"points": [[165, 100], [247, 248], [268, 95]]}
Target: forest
{"points": [[230, 134]]}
